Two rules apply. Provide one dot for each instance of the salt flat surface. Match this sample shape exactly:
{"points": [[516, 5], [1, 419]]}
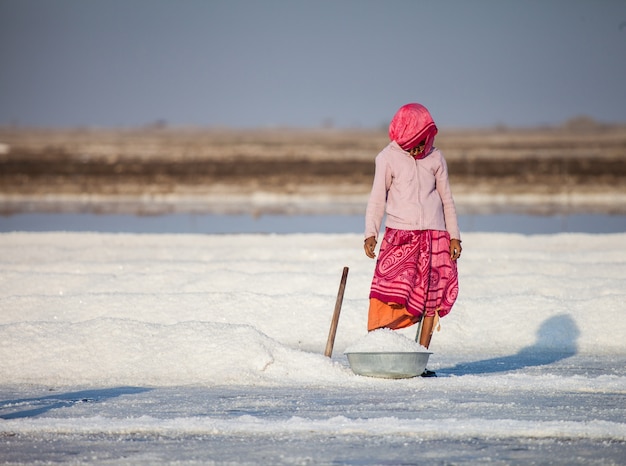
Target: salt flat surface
{"points": [[208, 349]]}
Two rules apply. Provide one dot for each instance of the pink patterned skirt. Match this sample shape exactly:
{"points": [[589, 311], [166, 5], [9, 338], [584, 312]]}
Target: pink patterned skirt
{"points": [[414, 270]]}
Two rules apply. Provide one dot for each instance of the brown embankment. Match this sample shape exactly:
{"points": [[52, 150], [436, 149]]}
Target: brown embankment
{"points": [[148, 162]]}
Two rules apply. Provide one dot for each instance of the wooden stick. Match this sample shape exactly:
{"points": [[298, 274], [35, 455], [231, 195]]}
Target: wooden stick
{"points": [[333, 325], [419, 327]]}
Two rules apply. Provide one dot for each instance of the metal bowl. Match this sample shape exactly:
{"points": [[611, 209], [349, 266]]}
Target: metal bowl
{"points": [[389, 365]]}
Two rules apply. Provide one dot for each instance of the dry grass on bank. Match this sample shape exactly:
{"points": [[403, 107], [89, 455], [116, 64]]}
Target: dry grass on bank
{"points": [[179, 144], [578, 159]]}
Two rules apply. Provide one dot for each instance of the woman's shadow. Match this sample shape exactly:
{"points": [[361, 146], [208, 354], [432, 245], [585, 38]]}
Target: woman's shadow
{"points": [[556, 340]]}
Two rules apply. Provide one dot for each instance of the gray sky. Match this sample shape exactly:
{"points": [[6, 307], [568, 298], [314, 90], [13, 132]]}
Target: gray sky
{"points": [[350, 63]]}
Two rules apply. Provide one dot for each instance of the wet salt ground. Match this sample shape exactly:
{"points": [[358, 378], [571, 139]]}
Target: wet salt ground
{"points": [[351, 449], [296, 449], [434, 422], [281, 223]]}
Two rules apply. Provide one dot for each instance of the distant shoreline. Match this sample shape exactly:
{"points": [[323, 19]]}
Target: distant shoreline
{"points": [[160, 170]]}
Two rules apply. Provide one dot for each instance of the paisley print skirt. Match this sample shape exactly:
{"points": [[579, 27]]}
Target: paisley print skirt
{"points": [[414, 270]]}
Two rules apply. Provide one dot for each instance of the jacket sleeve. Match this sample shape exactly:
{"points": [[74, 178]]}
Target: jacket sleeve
{"points": [[378, 198], [449, 208]]}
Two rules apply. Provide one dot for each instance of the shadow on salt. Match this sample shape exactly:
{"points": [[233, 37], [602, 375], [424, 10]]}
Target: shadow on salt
{"points": [[31, 407], [556, 340]]}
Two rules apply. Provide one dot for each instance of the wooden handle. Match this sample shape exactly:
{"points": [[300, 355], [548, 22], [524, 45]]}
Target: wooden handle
{"points": [[333, 325]]}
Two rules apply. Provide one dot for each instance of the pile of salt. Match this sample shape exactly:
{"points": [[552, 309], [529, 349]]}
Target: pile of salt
{"points": [[385, 340]]}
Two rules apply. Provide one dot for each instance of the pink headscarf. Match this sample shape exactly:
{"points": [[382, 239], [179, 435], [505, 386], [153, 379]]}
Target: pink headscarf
{"points": [[411, 125]]}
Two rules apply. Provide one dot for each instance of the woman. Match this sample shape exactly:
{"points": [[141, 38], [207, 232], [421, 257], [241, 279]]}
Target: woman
{"points": [[416, 275]]}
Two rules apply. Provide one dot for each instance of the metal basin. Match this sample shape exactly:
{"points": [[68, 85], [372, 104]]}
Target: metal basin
{"points": [[389, 365]]}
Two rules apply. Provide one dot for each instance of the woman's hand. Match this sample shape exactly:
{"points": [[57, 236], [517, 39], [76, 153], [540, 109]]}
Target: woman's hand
{"points": [[455, 249], [369, 245]]}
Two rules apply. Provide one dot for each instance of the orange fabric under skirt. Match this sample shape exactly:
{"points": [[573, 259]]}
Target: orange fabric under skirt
{"points": [[382, 315]]}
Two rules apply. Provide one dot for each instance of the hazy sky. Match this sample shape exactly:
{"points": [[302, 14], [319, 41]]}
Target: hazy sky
{"points": [[349, 63]]}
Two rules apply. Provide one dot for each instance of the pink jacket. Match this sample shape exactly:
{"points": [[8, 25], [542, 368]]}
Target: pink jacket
{"points": [[416, 193]]}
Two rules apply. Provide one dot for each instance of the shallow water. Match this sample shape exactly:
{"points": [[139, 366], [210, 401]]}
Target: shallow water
{"points": [[282, 224]]}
